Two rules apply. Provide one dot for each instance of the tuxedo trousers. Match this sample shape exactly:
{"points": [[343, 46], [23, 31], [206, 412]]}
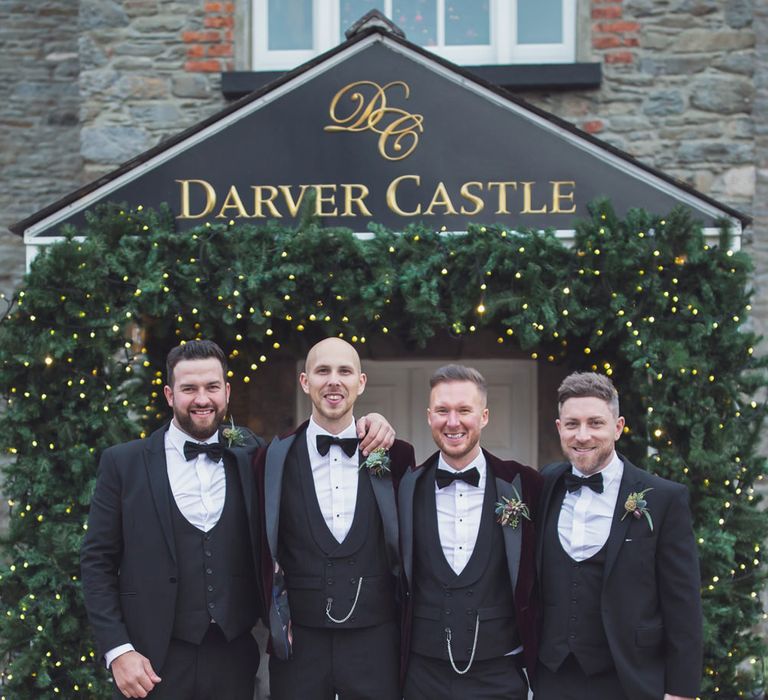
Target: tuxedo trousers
{"points": [[492, 679], [355, 664], [212, 670], [569, 682]]}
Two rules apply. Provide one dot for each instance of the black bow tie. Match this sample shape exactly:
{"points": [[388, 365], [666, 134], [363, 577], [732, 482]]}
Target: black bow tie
{"points": [[324, 442], [444, 478], [215, 450], [574, 482]]}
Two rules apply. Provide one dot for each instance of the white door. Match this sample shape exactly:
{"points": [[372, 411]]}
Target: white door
{"points": [[399, 390]]}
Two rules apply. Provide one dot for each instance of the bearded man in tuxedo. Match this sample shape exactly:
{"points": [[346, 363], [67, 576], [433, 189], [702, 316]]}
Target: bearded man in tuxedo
{"points": [[618, 565], [168, 560]]}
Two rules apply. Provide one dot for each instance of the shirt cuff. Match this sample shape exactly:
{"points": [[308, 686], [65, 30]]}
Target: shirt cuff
{"points": [[112, 654]]}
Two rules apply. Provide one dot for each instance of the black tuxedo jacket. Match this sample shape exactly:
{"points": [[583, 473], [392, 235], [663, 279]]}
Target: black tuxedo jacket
{"points": [[519, 544], [269, 465], [128, 560], [650, 597]]}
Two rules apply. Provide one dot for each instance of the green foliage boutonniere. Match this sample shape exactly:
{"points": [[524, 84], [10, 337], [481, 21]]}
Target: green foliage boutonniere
{"points": [[234, 436], [637, 506], [377, 462], [510, 510]]}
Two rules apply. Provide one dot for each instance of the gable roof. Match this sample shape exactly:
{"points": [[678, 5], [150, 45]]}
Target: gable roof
{"points": [[481, 135]]}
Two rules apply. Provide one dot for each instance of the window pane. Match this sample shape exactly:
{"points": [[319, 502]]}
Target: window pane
{"points": [[418, 19], [352, 10], [467, 22], [539, 21], [290, 24]]}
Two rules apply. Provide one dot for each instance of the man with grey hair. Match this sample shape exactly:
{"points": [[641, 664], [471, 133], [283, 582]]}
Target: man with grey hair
{"points": [[467, 542], [617, 563]]}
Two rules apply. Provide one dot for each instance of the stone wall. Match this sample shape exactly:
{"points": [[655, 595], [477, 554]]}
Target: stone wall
{"points": [[39, 121], [759, 245], [681, 78], [149, 69], [677, 91]]}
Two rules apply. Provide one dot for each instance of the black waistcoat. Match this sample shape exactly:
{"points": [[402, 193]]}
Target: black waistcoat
{"points": [[318, 568], [445, 600], [573, 622], [217, 579]]}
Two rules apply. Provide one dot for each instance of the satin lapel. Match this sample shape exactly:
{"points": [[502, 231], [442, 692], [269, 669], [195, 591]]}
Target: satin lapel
{"points": [[384, 493], [157, 473], [513, 536], [243, 462], [273, 486], [549, 487], [619, 527], [405, 501]]}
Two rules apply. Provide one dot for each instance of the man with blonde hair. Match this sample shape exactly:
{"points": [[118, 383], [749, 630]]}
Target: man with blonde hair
{"points": [[467, 533]]}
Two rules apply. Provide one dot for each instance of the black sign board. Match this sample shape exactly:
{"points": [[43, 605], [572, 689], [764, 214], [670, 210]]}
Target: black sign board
{"points": [[381, 131]]}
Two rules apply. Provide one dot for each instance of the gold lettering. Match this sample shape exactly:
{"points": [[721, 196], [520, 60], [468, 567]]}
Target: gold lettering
{"points": [[502, 187], [232, 201], [292, 204], [440, 199], [210, 199], [321, 199], [557, 195], [368, 111], [350, 198], [477, 201], [392, 195], [259, 201], [527, 197]]}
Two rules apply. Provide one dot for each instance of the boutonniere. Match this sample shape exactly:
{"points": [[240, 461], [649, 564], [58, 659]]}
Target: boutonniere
{"points": [[510, 510], [637, 506], [234, 436], [377, 463]]}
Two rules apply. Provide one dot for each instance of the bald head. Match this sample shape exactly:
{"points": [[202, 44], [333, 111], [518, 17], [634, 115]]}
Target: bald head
{"points": [[332, 347], [332, 378]]}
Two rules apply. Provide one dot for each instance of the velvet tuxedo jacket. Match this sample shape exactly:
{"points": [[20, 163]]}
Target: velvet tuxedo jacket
{"points": [[651, 587], [128, 559], [269, 466], [519, 544]]}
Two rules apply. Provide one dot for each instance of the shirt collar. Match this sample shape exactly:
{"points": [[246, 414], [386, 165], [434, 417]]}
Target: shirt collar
{"points": [[611, 472], [313, 430], [177, 437]]}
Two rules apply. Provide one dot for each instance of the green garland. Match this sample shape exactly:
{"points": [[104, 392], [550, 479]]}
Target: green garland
{"points": [[643, 299]]}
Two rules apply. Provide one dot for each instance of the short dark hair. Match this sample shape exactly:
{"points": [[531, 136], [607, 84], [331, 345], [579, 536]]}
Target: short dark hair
{"points": [[582, 384], [194, 350], [459, 373]]}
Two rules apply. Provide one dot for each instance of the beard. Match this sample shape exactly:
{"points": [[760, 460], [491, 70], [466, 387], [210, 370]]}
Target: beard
{"points": [[200, 430]]}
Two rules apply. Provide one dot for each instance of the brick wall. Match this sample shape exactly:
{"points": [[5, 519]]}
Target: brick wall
{"points": [[212, 49]]}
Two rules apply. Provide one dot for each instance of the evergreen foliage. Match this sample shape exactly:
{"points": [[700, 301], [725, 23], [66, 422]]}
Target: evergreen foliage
{"points": [[642, 299]]}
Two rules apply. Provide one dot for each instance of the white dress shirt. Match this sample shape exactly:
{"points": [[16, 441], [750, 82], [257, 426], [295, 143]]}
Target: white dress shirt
{"points": [[586, 517], [199, 488], [459, 510], [335, 477]]}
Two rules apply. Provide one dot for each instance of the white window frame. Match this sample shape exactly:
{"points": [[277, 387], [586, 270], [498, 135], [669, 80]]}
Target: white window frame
{"points": [[503, 49]]}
